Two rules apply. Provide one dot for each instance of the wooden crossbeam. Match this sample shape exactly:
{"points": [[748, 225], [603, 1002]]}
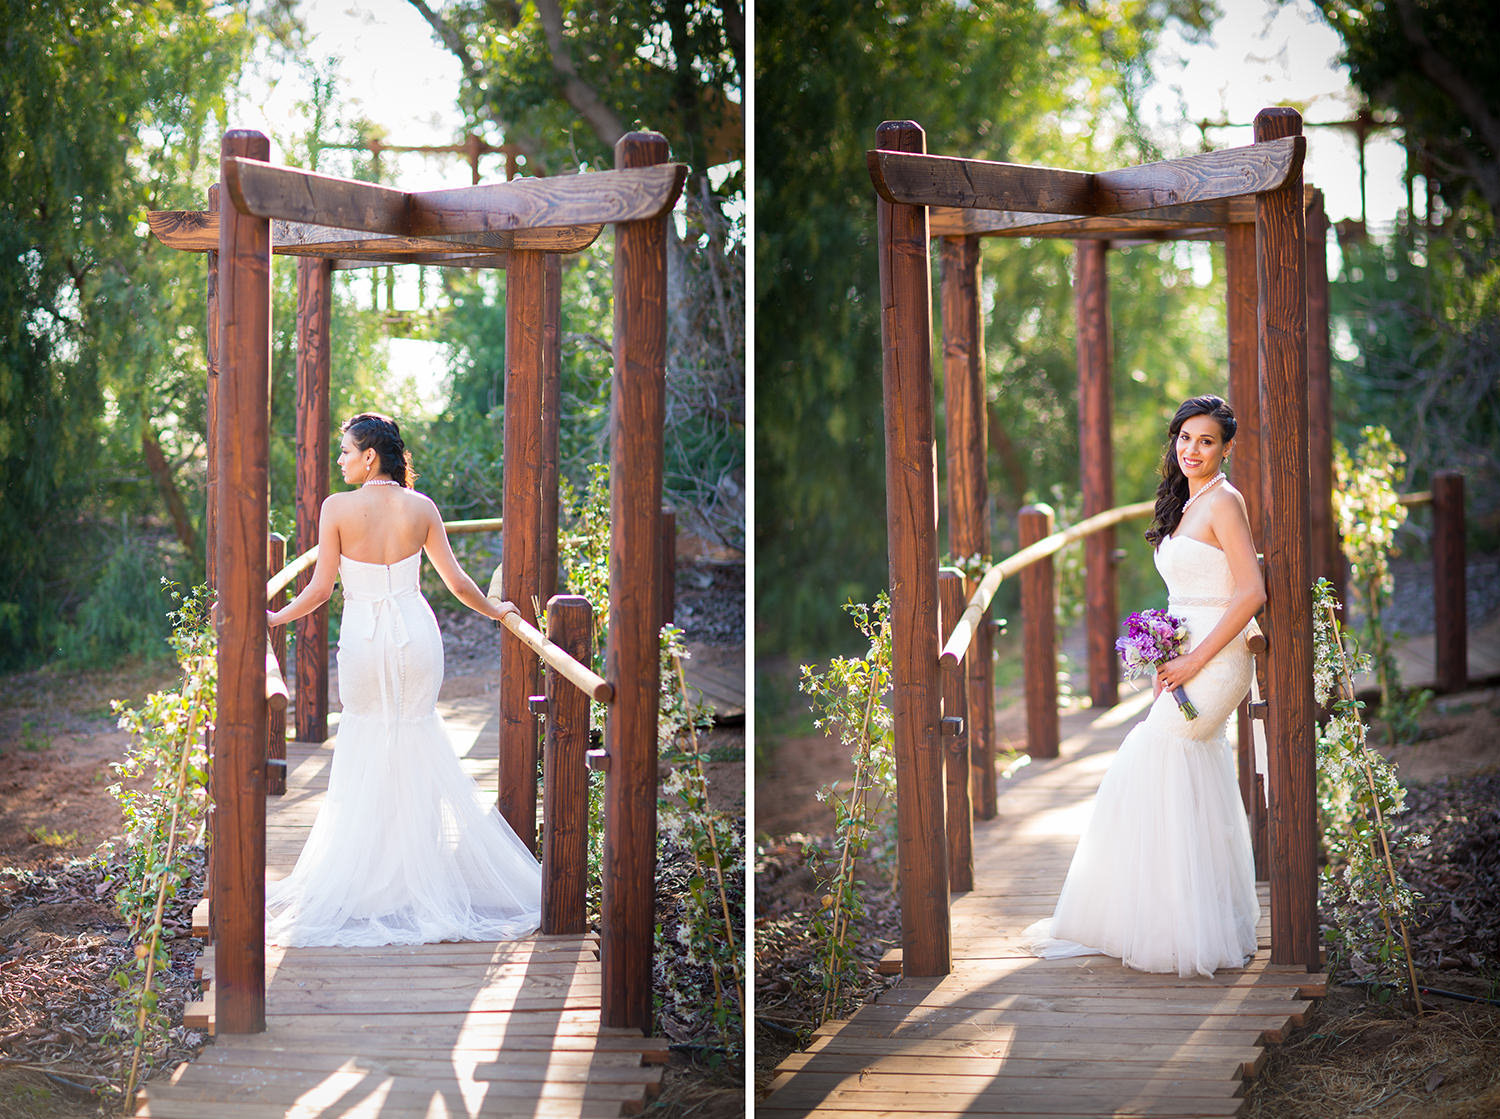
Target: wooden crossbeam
{"points": [[438, 260], [521, 204], [931, 180], [198, 231], [955, 222]]}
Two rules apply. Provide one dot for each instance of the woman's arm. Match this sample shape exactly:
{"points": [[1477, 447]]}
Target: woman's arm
{"points": [[325, 569], [1231, 526], [440, 552]]}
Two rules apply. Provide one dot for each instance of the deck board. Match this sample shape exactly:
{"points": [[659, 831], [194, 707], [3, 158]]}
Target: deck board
{"points": [[426, 1030], [1005, 1033]]}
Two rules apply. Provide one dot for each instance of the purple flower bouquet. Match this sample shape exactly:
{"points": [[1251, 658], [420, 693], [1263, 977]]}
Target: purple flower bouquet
{"points": [[1153, 637]]}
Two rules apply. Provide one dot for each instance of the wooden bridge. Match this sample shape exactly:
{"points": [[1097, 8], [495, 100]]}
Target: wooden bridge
{"points": [[459, 1029], [1004, 1033]]}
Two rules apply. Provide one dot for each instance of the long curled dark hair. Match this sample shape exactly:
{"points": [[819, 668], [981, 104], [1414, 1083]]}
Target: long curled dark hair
{"points": [[1172, 494], [371, 429]]}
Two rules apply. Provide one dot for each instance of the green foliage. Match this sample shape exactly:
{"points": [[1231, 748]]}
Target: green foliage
{"points": [[1417, 336], [1433, 64], [1358, 794], [849, 700], [105, 110], [1049, 84], [164, 819], [125, 612], [1365, 502]]}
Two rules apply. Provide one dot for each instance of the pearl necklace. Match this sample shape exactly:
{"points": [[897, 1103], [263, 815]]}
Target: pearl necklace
{"points": [[379, 482], [1212, 482]]}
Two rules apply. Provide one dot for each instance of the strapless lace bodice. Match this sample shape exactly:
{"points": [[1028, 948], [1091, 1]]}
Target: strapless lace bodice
{"points": [[1196, 574]]}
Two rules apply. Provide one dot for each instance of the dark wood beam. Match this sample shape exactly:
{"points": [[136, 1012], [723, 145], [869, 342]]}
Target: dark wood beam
{"points": [[635, 194], [952, 221], [932, 180]]}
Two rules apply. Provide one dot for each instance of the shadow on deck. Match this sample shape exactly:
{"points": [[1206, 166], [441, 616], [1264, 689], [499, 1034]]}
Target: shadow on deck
{"points": [[1008, 1034], [457, 1029]]}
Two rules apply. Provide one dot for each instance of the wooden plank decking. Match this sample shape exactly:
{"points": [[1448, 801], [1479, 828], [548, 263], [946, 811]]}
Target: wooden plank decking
{"points": [[428, 1030], [1008, 1034]]}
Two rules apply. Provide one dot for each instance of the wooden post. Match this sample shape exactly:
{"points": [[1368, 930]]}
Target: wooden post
{"points": [[955, 727], [1280, 251], [211, 411], [565, 793], [1327, 555], [551, 403], [1096, 454], [1448, 581], [635, 425], [239, 864], [1039, 629], [314, 318], [968, 483], [1246, 468], [911, 527], [668, 566], [521, 532], [276, 716]]}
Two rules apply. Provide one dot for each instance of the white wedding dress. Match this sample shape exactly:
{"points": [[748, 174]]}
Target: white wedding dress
{"points": [[1164, 876], [406, 849]]}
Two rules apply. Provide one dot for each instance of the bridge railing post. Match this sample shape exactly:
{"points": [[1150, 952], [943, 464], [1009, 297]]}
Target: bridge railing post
{"points": [[314, 365], [957, 767], [635, 478], [1039, 629], [565, 789], [1448, 581], [911, 533]]}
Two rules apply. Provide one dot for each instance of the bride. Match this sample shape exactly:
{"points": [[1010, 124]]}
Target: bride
{"points": [[405, 849], [1163, 876]]}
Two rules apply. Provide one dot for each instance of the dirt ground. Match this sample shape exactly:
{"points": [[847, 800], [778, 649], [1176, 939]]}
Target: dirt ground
{"points": [[1354, 1056], [58, 738]]}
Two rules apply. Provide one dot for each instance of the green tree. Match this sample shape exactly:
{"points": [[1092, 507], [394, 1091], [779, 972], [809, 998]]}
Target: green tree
{"points": [[104, 110], [563, 81], [1007, 81]]}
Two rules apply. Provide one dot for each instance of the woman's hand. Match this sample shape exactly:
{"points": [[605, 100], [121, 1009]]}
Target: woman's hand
{"points": [[1177, 671]]}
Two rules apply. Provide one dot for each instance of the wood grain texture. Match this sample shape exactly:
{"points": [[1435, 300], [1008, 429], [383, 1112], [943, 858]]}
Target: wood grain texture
{"points": [[966, 437], [521, 535], [1281, 247], [1096, 445], [211, 340], [198, 231], [911, 520], [238, 872], [1039, 629], [565, 792], [1170, 221], [957, 768], [930, 180], [1245, 463], [1327, 554], [551, 419], [628, 194], [1449, 581], [314, 371], [637, 410]]}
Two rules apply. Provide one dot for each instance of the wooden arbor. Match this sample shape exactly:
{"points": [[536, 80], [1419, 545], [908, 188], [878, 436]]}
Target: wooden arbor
{"points": [[1258, 189], [521, 226]]}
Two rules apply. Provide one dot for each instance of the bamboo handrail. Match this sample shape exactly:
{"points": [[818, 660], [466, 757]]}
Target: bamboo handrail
{"points": [[579, 675], [1422, 497], [283, 578], [968, 623]]}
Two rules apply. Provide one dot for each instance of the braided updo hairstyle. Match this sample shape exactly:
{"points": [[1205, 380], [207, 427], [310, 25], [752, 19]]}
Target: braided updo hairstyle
{"points": [[1172, 494], [372, 430]]}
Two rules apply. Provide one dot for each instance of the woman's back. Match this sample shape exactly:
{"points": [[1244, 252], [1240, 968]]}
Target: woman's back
{"points": [[381, 523]]}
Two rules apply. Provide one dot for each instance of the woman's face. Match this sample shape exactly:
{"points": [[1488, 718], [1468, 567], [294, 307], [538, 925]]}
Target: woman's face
{"points": [[353, 462], [1200, 447]]}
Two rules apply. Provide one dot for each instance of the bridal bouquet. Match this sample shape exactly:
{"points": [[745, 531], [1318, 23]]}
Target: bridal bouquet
{"points": [[1153, 637]]}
